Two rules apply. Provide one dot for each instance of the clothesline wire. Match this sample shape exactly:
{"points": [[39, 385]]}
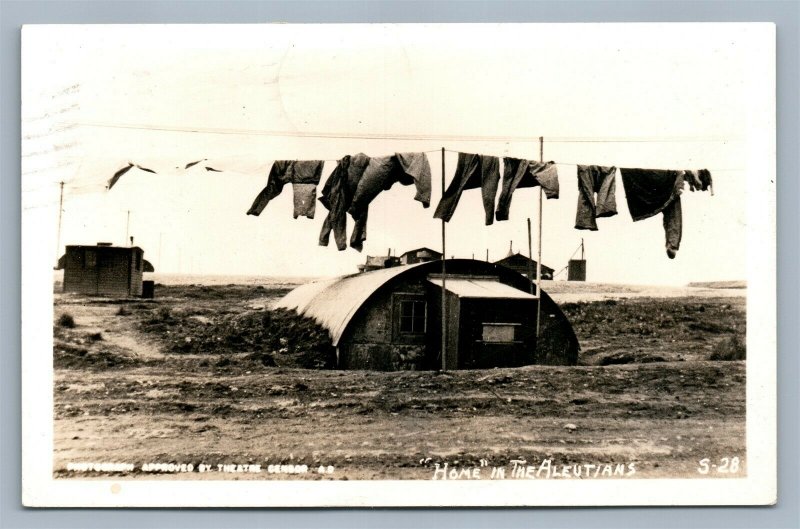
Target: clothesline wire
{"points": [[377, 136]]}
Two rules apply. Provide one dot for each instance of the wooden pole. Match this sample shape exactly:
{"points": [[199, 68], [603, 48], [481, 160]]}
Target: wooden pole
{"points": [[539, 260], [444, 283], [60, 210], [127, 227], [530, 255]]}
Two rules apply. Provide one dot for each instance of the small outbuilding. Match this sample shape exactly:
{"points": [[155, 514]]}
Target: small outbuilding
{"points": [[420, 255], [104, 270], [522, 264], [391, 319]]}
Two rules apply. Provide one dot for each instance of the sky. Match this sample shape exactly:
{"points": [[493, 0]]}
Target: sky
{"points": [[666, 96]]}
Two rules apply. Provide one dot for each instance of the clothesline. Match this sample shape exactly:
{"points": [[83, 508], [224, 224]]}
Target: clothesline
{"points": [[404, 137]]}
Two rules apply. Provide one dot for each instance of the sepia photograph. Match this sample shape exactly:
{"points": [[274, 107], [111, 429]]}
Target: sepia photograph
{"points": [[398, 264]]}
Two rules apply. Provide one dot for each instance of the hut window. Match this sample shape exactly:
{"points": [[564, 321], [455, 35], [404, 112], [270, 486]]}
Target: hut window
{"points": [[412, 317], [89, 259], [499, 332]]}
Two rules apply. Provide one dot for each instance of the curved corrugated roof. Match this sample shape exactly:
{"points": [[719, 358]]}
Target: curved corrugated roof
{"points": [[333, 302]]}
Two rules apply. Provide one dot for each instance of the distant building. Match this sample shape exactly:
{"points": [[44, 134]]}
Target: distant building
{"points": [[576, 270], [391, 319], [377, 262], [523, 265], [104, 270], [420, 255]]}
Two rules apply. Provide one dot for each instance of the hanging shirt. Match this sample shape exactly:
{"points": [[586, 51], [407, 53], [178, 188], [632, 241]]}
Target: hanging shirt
{"points": [[525, 173], [337, 194], [472, 171], [650, 192], [380, 175], [304, 176], [699, 180], [600, 181]]}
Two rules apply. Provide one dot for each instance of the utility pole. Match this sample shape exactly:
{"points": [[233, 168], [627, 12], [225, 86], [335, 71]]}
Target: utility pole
{"points": [[60, 211], [127, 227]]}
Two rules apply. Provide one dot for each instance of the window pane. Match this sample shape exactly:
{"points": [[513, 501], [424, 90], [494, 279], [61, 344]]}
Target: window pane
{"points": [[498, 333], [412, 316]]}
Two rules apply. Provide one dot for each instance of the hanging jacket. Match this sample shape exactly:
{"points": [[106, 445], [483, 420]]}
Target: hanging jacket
{"points": [[595, 180], [525, 173], [304, 175], [380, 175], [650, 192], [337, 194], [472, 171]]}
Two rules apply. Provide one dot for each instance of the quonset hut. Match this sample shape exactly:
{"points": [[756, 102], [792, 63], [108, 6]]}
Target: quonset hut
{"points": [[390, 319]]}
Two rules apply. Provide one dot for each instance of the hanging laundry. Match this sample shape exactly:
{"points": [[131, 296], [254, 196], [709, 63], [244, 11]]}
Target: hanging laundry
{"points": [[304, 176], [525, 173], [600, 181], [383, 172], [380, 175], [113, 180], [472, 171], [118, 175], [673, 226], [145, 169], [416, 166], [650, 192], [336, 196], [699, 180]]}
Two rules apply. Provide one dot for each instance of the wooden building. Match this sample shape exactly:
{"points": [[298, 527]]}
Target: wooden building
{"points": [[104, 270], [390, 319], [420, 255], [523, 264]]}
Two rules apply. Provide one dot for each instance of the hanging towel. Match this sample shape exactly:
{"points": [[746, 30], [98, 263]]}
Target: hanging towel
{"points": [[650, 192], [337, 193], [595, 180], [472, 171], [304, 177], [525, 173]]}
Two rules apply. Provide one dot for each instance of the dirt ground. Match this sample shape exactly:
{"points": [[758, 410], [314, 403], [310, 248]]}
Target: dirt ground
{"points": [[134, 384]]}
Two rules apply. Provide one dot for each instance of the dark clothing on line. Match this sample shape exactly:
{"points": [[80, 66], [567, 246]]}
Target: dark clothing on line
{"points": [[699, 180], [118, 175], [337, 194], [279, 175], [304, 199], [416, 166], [306, 174], [525, 173], [472, 171], [594, 179], [650, 192], [383, 172], [380, 175], [673, 226]]}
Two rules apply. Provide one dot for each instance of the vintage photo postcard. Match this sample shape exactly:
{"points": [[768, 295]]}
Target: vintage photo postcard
{"points": [[398, 265]]}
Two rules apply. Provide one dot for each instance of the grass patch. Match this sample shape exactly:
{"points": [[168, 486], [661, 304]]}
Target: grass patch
{"points": [[66, 320], [732, 348]]}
